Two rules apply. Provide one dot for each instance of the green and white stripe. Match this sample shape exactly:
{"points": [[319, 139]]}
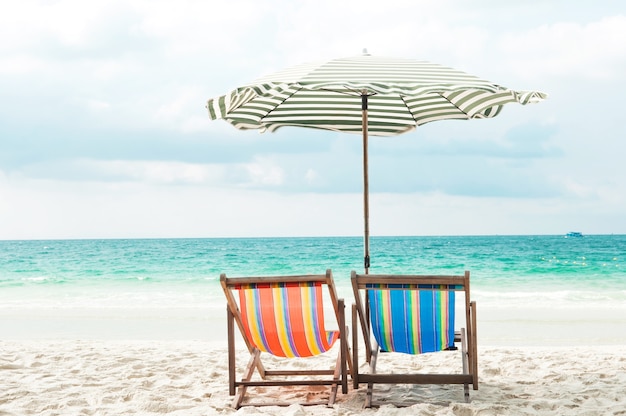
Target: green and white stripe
{"points": [[402, 95]]}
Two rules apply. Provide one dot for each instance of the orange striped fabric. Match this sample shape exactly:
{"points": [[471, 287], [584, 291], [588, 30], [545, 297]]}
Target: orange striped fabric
{"points": [[285, 319]]}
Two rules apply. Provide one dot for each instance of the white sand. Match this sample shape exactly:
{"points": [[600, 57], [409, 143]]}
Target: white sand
{"points": [[62, 377], [122, 362]]}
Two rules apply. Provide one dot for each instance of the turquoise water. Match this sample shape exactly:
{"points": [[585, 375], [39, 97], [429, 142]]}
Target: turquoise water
{"points": [[587, 271]]}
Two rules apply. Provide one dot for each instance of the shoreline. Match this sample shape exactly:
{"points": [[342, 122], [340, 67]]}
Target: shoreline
{"points": [[497, 326]]}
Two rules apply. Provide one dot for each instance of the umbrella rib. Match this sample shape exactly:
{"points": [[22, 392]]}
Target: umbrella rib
{"points": [[408, 109], [452, 104], [282, 101], [417, 123], [356, 92]]}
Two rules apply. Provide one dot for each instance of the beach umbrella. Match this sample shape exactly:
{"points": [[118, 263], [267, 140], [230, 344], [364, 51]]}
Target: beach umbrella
{"points": [[366, 95]]}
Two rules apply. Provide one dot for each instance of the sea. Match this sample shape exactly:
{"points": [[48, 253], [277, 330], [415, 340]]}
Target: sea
{"points": [[125, 288]]}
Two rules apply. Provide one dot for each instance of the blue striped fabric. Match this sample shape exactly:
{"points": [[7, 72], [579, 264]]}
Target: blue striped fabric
{"points": [[412, 321]]}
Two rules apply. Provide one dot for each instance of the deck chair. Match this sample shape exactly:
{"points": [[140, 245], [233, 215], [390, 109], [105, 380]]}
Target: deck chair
{"points": [[284, 316], [413, 315]]}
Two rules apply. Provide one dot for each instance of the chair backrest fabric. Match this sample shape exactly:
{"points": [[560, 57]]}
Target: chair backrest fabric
{"points": [[412, 321], [285, 319]]}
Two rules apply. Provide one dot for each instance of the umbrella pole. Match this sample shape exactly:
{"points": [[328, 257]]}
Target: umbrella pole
{"points": [[366, 203]]}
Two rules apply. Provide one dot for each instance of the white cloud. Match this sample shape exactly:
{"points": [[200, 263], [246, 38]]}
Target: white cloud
{"points": [[97, 105], [265, 172], [311, 176], [70, 22], [260, 173], [20, 64], [595, 50], [181, 110], [152, 172], [195, 124]]}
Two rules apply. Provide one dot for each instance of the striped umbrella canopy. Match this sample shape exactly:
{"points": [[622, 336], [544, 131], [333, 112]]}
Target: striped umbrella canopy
{"points": [[367, 95]]}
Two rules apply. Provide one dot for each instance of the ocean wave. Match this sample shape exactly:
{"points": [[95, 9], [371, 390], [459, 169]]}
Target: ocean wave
{"points": [[552, 298]]}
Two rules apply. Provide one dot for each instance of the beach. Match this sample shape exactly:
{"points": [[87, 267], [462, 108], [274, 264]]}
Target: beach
{"points": [[87, 328], [106, 367]]}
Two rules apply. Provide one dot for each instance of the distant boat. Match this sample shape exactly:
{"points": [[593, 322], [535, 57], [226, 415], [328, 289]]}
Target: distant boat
{"points": [[574, 234]]}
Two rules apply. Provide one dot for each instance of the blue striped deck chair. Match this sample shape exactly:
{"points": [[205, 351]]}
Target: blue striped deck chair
{"points": [[413, 314], [284, 316]]}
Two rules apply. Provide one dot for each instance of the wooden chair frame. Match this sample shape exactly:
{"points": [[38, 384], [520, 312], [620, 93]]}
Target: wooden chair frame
{"points": [[238, 388], [467, 336]]}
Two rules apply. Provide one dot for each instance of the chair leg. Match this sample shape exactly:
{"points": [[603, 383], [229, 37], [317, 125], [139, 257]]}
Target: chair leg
{"points": [[340, 374], [370, 385], [355, 349], [474, 346], [336, 376], [368, 396], [230, 320], [255, 356], [466, 364], [348, 355], [343, 346]]}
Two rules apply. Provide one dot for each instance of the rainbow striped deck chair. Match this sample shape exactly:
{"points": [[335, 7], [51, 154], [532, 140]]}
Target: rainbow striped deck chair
{"points": [[413, 314], [284, 316]]}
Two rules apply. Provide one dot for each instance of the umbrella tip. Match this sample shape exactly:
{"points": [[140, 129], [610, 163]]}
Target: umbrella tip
{"points": [[365, 52]]}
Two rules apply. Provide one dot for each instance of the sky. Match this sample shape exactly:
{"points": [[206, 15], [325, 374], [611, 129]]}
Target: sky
{"points": [[104, 131]]}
